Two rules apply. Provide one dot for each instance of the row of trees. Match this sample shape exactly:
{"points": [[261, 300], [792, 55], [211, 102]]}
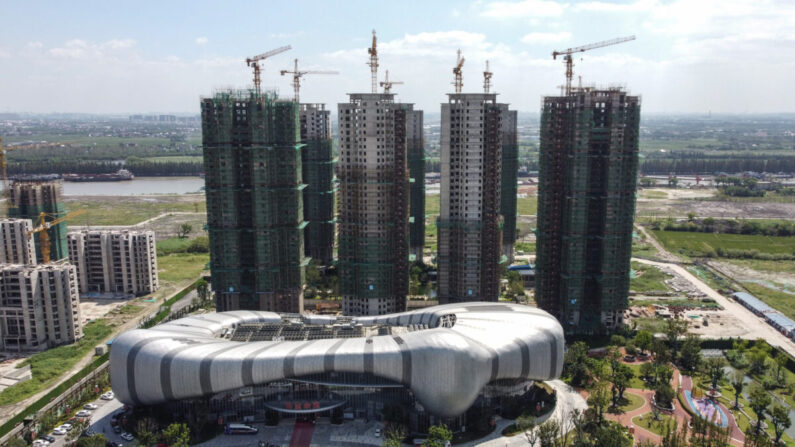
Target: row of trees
{"points": [[730, 226], [703, 165], [142, 168]]}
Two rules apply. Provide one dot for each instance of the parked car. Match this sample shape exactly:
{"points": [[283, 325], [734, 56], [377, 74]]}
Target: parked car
{"points": [[90, 406], [107, 396], [47, 438], [117, 429], [127, 437], [377, 432], [67, 427], [83, 414], [40, 443], [59, 431]]}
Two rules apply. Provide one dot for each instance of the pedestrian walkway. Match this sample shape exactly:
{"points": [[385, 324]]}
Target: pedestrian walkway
{"points": [[302, 434]]}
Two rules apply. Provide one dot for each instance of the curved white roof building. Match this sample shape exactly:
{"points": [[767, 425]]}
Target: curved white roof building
{"points": [[444, 354]]}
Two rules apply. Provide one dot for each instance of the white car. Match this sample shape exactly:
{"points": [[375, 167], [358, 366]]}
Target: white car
{"points": [[67, 427], [127, 437], [90, 406], [40, 443], [83, 414], [377, 432], [59, 431], [108, 396]]}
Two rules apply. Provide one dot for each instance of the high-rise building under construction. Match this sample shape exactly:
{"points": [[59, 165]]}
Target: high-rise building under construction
{"points": [[469, 228], [317, 161], [29, 200], [415, 141], [255, 218], [510, 169], [586, 200], [373, 213]]}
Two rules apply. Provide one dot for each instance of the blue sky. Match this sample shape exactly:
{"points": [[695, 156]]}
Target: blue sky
{"points": [[690, 56]]}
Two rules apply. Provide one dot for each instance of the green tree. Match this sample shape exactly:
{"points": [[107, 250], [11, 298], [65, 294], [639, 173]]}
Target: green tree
{"points": [[146, 431], [643, 340], [779, 417], [690, 357], [575, 364], [78, 427], [202, 289], [98, 440], [675, 328], [548, 432], [394, 435], [177, 435], [622, 375], [648, 372], [758, 358], [661, 354], [781, 362], [713, 368], [184, 230], [438, 436], [691, 216], [599, 399], [737, 382], [664, 394], [759, 401], [611, 435]]}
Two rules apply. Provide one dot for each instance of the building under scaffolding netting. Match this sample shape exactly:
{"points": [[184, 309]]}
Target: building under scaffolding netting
{"points": [[30, 199], [586, 204], [510, 169], [416, 161], [373, 213], [254, 190], [318, 162]]}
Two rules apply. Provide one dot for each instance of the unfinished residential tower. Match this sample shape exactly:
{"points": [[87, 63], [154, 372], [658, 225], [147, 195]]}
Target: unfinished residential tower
{"points": [[29, 200], [470, 225], [415, 141], [586, 200], [255, 216], [373, 213], [317, 162]]}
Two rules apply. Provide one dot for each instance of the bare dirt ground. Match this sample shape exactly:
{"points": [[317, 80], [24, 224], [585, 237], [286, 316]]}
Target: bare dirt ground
{"points": [[742, 273], [94, 309], [680, 202]]}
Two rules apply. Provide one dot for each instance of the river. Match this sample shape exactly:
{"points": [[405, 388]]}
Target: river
{"points": [[140, 185]]}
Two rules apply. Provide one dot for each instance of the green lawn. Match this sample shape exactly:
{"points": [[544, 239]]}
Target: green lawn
{"points": [[181, 266], [112, 211], [648, 279], [657, 427], [652, 325], [172, 245], [432, 203], [527, 206], [631, 402], [699, 244], [49, 365], [652, 194]]}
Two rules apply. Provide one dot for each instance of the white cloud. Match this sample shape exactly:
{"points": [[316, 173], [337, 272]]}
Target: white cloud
{"points": [[537, 37], [599, 6], [81, 49], [522, 9], [201, 40]]}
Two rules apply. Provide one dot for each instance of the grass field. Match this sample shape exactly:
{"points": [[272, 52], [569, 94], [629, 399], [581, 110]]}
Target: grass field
{"points": [[525, 206], [648, 279], [700, 244], [47, 366], [630, 402], [113, 211], [657, 427], [652, 194], [181, 266], [172, 245], [764, 266]]}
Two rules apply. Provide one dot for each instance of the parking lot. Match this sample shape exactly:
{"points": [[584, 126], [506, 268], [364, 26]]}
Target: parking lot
{"points": [[100, 422]]}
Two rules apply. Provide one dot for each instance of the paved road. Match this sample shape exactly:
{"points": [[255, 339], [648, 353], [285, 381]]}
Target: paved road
{"points": [[756, 326]]}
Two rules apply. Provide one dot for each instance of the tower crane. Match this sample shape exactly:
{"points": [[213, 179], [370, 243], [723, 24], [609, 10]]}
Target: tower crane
{"points": [[459, 82], [297, 74], [254, 62], [373, 63], [387, 84], [43, 226], [487, 78], [567, 59], [4, 161]]}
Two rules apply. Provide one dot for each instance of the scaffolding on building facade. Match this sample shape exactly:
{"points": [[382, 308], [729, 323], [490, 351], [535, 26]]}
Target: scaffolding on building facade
{"points": [[31, 198], [255, 217], [416, 164], [510, 169], [317, 160], [587, 182]]}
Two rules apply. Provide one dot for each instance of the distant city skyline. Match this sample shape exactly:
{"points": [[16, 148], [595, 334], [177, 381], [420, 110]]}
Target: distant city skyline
{"points": [[689, 57]]}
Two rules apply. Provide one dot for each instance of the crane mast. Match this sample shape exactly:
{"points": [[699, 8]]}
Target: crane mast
{"points": [[298, 74], [487, 78], [254, 63], [373, 63], [43, 226], [459, 81], [568, 60], [387, 84]]}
